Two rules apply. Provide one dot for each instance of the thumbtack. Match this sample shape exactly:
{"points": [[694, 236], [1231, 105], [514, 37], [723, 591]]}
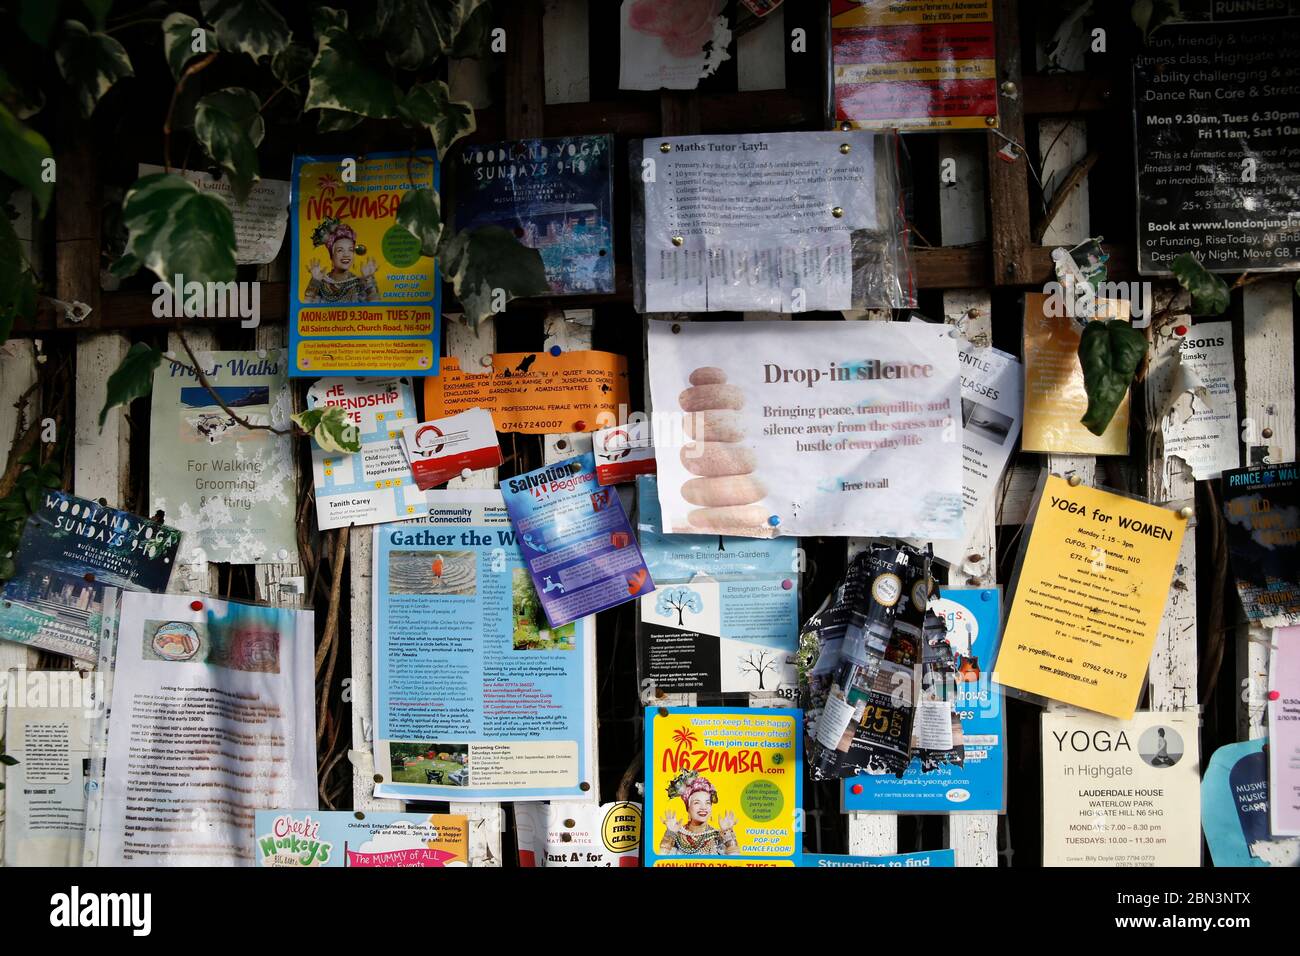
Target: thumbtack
{"points": [[584, 786], [579, 426], [1075, 481], [990, 121], [838, 212], [281, 555], [845, 126], [665, 147], [555, 350], [985, 596], [663, 711], [678, 240], [1274, 695], [89, 576], [676, 328], [359, 815], [465, 472], [379, 778], [1180, 330], [196, 605], [1185, 511], [774, 520], [575, 467], [845, 148], [857, 788], [787, 584]]}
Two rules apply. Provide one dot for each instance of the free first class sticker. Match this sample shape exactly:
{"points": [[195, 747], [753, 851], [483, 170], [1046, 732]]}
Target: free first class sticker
{"points": [[444, 448], [623, 452]]}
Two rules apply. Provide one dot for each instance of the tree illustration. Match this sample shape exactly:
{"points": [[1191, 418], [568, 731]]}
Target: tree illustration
{"points": [[679, 600], [758, 662]]}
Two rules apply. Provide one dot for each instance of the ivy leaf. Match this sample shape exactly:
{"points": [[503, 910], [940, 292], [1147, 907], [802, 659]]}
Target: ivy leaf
{"points": [[1109, 353], [1210, 295], [179, 39], [17, 284], [25, 100], [291, 64], [123, 267], [341, 79], [248, 26], [229, 127], [99, 10], [337, 121], [132, 379], [91, 63], [472, 39], [430, 105], [488, 263], [8, 760], [23, 152], [36, 17], [1150, 14], [173, 229], [330, 429], [453, 18], [322, 18], [418, 214]]}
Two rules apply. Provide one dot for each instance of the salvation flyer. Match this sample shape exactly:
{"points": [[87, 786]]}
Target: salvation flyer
{"points": [[1284, 732], [586, 835], [724, 786], [1262, 507], [476, 695], [363, 299], [341, 838], [229, 487], [70, 551]]}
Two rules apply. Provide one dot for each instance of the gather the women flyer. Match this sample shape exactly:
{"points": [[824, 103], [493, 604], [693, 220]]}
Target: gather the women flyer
{"points": [[476, 695]]}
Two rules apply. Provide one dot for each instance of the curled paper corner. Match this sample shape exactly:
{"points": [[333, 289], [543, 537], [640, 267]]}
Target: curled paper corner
{"points": [[1183, 381], [361, 759]]}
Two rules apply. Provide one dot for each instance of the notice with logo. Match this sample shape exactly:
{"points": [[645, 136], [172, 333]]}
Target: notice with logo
{"points": [[341, 838], [932, 858], [807, 428], [1089, 597], [451, 447], [216, 469], [534, 393], [363, 300], [71, 550], [724, 786], [476, 695], [1121, 793], [565, 834], [1199, 421], [1284, 732], [1262, 507], [374, 485], [260, 219], [212, 719], [623, 452]]}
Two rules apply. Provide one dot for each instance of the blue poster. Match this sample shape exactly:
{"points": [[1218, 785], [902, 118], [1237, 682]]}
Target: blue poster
{"points": [[1234, 803], [938, 858], [977, 784], [476, 695], [576, 540]]}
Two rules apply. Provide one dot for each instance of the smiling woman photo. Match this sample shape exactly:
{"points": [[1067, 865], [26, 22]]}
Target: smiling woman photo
{"points": [[340, 284]]}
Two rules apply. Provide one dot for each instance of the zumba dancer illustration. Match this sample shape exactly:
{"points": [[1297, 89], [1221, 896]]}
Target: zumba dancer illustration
{"points": [[340, 284], [694, 836]]}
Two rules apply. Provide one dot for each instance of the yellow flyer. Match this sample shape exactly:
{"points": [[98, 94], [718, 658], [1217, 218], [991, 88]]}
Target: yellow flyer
{"points": [[535, 393], [363, 299], [1090, 596], [724, 786]]}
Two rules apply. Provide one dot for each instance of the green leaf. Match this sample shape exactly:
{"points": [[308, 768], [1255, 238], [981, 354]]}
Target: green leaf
{"points": [[291, 64], [330, 429], [23, 152], [247, 26], [1210, 295], [322, 18], [36, 18], [430, 105], [337, 121], [173, 229], [471, 41], [8, 760], [487, 265], [24, 100], [99, 10], [132, 379], [124, 267], [342, 79], [229, 126], [1150, 14], [412, 34], [1109, 353], [419, 215], [17, 284], [179, 41], [91, 63]]}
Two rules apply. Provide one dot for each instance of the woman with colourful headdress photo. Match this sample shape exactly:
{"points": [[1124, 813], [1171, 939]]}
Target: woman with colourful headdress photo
{"points": [[694, 836], [340, 284]]}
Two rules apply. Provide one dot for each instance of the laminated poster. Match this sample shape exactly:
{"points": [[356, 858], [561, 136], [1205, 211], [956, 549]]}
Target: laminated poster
{"points": [[1120, 793], [341, 838], [671, 44], [1235, 809], [807, 428], [1284, 732], [930, 858], [1089, 598], [1262, 507], [260, 220], [363, 300], [1199, 421], [476, 696], [230, 488], [724, 786], [566, 834]]}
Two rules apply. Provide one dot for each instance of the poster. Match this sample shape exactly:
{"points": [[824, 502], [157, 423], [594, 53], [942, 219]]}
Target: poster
{"points": [[362, 299], [1235, 809], [724, 786], [375, 485], [476, 696], [565, 834], [1089, 597], [1121, 793], [724, 617], [70, 551], [1199, 424], [575, 539], [1215, 121], [807, 428], [260, 220], [212, 719], [230, 488], [972, 620], [341, 838], [534, 393], [1262, 507], [930, 858], [747, 222], [1284, 732], [556, 195], [671, 46], [451, 447], [915, 66], [1055, 397]]}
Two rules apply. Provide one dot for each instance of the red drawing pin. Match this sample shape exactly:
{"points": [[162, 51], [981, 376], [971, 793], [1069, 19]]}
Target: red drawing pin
{"points": [[857, 788], [1180, 330], [1274, 695], [196, 605]]}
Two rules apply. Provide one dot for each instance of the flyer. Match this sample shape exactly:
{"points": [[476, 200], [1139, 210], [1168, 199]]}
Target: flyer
{"points": [[1235, 809], [1055, 397], [671, 45], [972, 620], [1284, 732], [451, 447], [534, 393], [212, 719], [575, 539], [725, 615], [807, 428], [341, 838], [556, 195], [1089, 598], [375, 485], [476, 697], [932, 858], [1262, 507], [623, 452], [229, 487], [362, 298], [1121, 793], [912, 66], [564, 834], [70, 551], [260, 220], [724, 786], [1199, 424]]}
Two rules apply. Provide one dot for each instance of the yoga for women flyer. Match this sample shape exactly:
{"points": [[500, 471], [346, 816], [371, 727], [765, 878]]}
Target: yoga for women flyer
{"points": [[476, 695], [1262, 508], [341, 838], [1284, 732]]}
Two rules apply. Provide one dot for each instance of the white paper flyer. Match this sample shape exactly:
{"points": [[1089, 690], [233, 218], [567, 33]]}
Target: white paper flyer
{"points": [[671, 44], [1200, 418]]}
